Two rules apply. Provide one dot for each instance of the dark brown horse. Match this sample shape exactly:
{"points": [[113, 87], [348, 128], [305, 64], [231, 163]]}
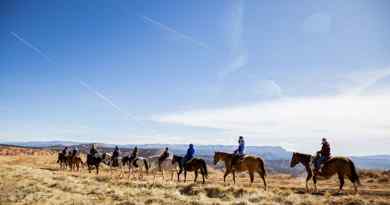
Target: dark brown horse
{"points": [[193, 165], [93, 161], [249, 163], [74, 162], [62, 160], [341, 166]]}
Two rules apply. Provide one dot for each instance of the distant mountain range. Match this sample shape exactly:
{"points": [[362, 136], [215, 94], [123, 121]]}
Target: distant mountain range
{"points": [[272, 154]]}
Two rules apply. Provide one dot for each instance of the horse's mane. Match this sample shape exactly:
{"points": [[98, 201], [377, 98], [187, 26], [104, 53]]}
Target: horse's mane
{"points": [[303, 155], [225, 153]]}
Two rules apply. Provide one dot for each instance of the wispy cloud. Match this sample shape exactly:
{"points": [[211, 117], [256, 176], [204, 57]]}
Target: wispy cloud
{"points": [[31, 46], [363, 80], [105, 99], [174, 31], [235, 40]]}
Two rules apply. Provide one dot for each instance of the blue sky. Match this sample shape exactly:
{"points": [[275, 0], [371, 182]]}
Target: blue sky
{"points": [[278, 72]]}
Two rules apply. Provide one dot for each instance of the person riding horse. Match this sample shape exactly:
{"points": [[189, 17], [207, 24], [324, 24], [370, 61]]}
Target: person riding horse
{"points": [[65, 151], [134, 156], [164, 155], [115, 156], [189, 155], [239, 153], [74, 151], [322, 156], [93, 150]]}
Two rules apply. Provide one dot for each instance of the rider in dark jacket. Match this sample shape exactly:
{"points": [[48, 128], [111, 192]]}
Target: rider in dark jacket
{"points": [[162, 157], [323, 155], [134, 155], [65, 151], [115, 156], [93, 150]]}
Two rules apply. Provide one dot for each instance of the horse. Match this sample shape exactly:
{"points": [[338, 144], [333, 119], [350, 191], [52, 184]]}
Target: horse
{"points": [[166, 165], [95, 160], [112, 165], [341, 165], [249, 163], [74, 160], [138, 163], [62, 160], [194, 165]]}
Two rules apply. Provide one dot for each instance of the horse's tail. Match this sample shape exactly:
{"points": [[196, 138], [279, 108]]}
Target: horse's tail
{"points": [[262, 166], [354, 175], [204, 166], [146, 165]]}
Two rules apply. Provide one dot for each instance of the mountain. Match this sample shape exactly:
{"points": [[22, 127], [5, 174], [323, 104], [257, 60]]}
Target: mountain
{"points": [[275, 156]]}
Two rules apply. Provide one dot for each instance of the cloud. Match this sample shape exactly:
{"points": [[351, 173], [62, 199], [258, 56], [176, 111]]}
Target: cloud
{"points": [[360, 81], [31, 46], [351, 120], [236, 47], [348, 117], [175, 32]]}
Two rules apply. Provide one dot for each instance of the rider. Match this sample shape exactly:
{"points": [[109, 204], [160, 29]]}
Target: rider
{"points": [[115, 156], [74, 151], [93, 150], [65, 151], [239, 152], [134, 155], [163, 156], [189, 155], [324, 155]]}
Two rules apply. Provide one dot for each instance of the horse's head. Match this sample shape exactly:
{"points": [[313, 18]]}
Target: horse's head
{"points": [[295, 159], [217, 157], [175, 159]]}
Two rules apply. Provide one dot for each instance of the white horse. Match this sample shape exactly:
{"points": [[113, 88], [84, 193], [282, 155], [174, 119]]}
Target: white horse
{"points": [[138, 164], [166, 166], [109, 161]]}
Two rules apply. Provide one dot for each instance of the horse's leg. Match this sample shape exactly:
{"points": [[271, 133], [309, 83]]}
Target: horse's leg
{"points": [[178, 175], [309, 176], [315, 183], [341, 179], [203, 174], [251, 176], [234, 177], [225, 175], [172, 173], [185, 176], [196, 175], [262, 175]]}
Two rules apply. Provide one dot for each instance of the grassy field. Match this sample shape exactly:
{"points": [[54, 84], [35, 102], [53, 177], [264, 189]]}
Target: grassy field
{"points": [[32, 177]]}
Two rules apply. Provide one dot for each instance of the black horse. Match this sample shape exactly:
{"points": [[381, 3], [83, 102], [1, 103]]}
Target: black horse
{"points": [[193, 165], [62, 160], [95, 160]]}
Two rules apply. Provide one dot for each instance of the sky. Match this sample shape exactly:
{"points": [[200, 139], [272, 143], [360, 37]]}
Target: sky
{"points": [[280, 73]]}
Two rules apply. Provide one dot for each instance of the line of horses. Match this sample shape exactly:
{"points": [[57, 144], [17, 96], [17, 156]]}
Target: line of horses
{"points": [[341, 166]]}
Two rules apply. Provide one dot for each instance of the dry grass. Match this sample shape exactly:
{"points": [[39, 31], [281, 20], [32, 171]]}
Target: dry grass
{"points": [[36, 179]]}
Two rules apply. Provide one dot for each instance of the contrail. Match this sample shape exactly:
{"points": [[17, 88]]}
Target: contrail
{"points": [[180, 35], [104, 98], [31, 46]]}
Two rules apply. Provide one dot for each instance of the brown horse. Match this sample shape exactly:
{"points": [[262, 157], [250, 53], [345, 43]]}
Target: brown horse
{"points": [[249, 163], [193, 165], [341, 166], [74, 162]]}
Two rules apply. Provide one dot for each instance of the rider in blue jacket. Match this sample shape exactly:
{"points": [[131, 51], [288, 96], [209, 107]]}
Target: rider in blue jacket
{"points": [[241, 146], [190, 154], [239, 152]]}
